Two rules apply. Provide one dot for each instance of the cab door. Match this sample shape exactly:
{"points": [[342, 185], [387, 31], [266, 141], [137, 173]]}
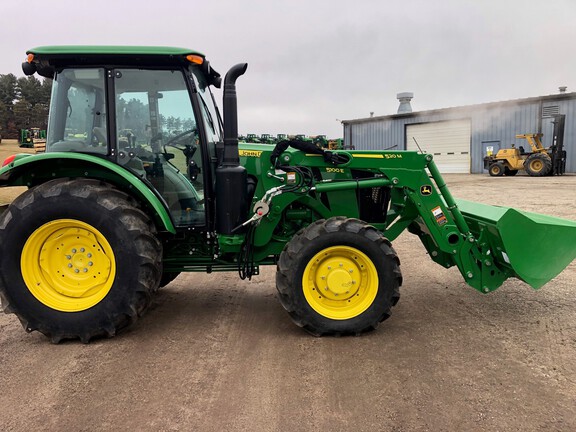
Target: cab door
{"points": [[157, 137]]}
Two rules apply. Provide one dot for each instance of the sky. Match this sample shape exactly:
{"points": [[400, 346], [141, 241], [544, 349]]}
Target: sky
{"points": [[314, 63]]}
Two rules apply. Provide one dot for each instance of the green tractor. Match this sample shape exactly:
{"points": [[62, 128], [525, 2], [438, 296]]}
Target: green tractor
{"points": [[252, 138], [267, 139], [154, 183], [28, 137]]}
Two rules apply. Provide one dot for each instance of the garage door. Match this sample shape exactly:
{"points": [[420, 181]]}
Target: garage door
{"points": [[448, 141]]}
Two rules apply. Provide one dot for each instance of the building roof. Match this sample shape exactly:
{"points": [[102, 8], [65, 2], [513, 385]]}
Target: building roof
{"points": [[557, 96]]}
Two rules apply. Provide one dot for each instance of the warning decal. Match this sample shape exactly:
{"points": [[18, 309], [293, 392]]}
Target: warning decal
{"points": [[439, 216]]}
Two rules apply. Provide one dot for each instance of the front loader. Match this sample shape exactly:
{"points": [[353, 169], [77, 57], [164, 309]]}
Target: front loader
{"points": [[110, 216]]}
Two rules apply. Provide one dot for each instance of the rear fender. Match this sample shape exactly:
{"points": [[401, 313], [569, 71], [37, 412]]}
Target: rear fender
{"points": [[33, 170]]}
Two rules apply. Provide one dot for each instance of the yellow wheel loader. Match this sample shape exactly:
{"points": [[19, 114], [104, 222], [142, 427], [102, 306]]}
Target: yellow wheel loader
{"points": [[538, 162]]}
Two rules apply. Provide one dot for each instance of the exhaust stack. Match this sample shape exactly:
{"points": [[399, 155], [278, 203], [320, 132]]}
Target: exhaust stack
{"points": [[230, 107], [231, 178]]}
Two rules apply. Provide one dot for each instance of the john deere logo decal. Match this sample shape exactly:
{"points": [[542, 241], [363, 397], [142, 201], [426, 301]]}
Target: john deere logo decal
{"points": [[249, 153], [426, 190]]}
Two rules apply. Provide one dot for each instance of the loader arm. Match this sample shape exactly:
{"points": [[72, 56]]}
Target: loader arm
{"points": [[488, 244], [422, 203]]}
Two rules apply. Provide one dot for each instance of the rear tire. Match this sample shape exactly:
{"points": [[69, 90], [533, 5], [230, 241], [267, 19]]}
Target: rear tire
{"points": [[538, 165], [338, 277], [77, 260]]}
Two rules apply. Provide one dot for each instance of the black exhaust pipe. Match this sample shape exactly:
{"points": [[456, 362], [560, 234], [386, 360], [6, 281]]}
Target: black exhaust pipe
{"points": [[231, 179], [230, 107]]}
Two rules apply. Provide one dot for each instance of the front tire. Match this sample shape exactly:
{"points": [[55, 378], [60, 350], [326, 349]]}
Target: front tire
{"points": [[77, 260], [338, 277], [538, 165]]}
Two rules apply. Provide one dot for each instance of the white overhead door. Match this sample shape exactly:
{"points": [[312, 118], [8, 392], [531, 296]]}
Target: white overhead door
{"points": [[447, 141]]}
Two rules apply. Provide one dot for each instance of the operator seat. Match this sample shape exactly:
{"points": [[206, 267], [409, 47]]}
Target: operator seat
{"points": [[100, 134]]}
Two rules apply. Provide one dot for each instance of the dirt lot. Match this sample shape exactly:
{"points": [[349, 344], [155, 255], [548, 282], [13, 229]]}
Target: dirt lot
{"points": [[218, 354], [7, 148]]}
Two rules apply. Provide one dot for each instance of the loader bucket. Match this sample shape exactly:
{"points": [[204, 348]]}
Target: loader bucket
{"points": [[536, 247]]}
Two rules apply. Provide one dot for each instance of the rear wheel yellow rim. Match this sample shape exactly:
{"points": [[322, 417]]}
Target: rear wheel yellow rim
{"points": [[68, 265], [340, 282]]}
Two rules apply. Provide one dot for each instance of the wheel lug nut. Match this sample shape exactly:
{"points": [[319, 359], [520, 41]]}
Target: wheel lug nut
{"points": [[341, 265], [69, 265], [89, 255], [76, 271], [73, 250], [85, 270], [68, 256], [82, 249], [90, 263]]}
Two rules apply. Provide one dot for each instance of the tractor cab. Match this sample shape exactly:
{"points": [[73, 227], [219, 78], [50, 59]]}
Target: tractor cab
{"points": [[159, 122]]}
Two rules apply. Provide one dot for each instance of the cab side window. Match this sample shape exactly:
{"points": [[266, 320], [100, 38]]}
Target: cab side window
{"points": [[78, 112]]}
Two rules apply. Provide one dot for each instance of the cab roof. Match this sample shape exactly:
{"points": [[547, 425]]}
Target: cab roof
{"points": [[46, 60], [124, 50]]}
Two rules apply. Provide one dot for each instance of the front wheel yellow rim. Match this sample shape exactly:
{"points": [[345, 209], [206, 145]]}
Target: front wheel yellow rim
{"points": [[340, 282], [537, 165], [68, 265]]}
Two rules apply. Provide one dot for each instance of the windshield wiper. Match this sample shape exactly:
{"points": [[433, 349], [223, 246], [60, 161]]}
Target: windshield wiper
{"points": [[208, 115]]}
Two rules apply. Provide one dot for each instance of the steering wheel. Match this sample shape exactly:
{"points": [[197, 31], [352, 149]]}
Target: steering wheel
{"points": [[175, 138], [189, 148]]}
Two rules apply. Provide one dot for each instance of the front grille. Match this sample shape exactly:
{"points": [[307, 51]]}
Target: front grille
{"points": [[373, 203]]}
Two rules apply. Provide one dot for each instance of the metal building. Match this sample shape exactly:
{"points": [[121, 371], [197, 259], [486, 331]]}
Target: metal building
{"points": [[459, 137]]}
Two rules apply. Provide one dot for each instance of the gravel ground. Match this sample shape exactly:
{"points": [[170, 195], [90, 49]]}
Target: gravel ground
{"points": [[215, 353]]}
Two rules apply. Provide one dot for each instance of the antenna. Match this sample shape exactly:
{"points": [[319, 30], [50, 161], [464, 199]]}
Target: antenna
{"points": [[417, 145]]}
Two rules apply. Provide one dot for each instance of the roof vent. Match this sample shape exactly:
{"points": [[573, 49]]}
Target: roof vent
{"points": [[404, 99], [562, 89]]}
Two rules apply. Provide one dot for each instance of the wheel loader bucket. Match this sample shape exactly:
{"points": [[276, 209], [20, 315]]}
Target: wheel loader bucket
{"points": [[535, 247]]}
